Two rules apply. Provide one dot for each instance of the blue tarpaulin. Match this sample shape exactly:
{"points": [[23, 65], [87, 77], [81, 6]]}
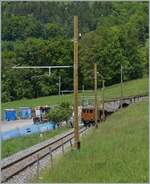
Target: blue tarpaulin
{"points": [[10, 134], [27, 130]]}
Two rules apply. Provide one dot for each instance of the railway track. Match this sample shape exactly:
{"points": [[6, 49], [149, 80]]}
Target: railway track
{"points": [[18, 162], [133, 98]]}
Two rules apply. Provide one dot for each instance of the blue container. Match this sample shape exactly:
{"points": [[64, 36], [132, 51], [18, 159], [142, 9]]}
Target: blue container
{"points": [[10, 114], [25, 113]]}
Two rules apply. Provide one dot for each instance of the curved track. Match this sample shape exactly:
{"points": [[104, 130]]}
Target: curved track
{"points": [[18, 162]]}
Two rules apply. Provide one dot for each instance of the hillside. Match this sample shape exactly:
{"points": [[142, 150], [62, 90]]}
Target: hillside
{"points": [[115, 152], [133, 87], [41, 34]]}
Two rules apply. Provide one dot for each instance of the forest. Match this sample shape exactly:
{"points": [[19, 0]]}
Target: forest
{"points": [[41, 34]]}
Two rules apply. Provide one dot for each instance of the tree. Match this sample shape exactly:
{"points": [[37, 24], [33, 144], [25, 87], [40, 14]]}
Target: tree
{"points": [[20, 27], [60, 113], [40, 33], [53, 31]]}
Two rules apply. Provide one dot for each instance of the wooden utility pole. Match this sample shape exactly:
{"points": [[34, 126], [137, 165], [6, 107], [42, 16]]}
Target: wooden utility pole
{"points": [[76, 126], [103, 98], [59, 85], [121, 85], [83, 88], [95, 88]]}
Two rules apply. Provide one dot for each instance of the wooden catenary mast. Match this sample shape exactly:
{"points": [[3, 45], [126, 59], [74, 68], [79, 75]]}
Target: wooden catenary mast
{"points": [[76, 125]]}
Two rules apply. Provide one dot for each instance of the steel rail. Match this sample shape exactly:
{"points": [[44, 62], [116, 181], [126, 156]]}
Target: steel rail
{"points": [[66, 138], [127, 97], [33, 152]]}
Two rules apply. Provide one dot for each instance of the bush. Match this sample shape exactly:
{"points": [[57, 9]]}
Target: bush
{"points": [[60, 113]]}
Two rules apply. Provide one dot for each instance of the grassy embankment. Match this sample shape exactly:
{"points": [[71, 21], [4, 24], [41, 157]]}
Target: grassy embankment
{"points": [[115, 152], [14, 145], [133, 87]]}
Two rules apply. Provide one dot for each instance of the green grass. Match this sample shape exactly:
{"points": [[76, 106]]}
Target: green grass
{"points": [[115, 152], [133, 87], [14, 145]]}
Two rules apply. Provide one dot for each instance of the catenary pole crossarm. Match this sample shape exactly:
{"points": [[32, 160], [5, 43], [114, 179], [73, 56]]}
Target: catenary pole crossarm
{"points": [[42, 67], [54, 67]]}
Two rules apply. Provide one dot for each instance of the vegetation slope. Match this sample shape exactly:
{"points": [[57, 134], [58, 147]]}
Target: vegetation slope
{"points": [[115, 152], [134, 87]]}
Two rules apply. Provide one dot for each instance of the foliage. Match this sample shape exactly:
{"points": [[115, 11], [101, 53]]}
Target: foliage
{"points": [[20, 27], [36, 52], [60, 113], [111, 48], [40, 33], [53, 30]]}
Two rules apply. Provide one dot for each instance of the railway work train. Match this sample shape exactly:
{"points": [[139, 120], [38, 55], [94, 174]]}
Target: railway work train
{"points": [[88, 112], [88, 115]]}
